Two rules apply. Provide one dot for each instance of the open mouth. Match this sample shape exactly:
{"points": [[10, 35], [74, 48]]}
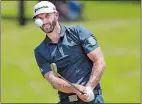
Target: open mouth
{"points": [[47, 25]]}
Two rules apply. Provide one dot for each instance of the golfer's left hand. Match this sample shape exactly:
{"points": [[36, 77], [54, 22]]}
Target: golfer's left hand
{"points": [[80, 95], [88, 93], [83, 97]]}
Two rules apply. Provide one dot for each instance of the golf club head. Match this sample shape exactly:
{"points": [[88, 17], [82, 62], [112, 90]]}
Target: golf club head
{"points": [[54, 67]]}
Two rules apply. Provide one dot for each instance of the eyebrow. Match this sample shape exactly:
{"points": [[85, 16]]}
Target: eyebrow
{"points": [[47, 14]]}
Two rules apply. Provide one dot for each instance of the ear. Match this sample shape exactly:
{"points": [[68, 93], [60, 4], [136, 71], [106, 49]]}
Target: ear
{"points": [[57, 15]]}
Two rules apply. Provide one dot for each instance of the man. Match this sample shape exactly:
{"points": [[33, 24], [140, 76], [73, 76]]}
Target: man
{"points": [[75, 51]]}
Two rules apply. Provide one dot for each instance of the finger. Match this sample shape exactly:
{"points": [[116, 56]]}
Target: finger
{"points": [[79, 94], [83, 99], [85, 96]]}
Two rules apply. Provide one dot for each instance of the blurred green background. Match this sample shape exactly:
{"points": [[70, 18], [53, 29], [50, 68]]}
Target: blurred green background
{"points": [[117, 28]]}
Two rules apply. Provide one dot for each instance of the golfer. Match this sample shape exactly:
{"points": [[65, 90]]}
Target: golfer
{"points": [[76, 53]]}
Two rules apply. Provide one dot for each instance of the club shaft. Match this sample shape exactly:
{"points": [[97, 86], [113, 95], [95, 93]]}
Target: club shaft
{"points": [[54, 69], [70, 83]]}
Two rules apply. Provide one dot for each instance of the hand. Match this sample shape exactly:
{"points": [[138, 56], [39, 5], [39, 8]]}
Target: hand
{"points": [[80, 95], [88, 96], [90, 93]]}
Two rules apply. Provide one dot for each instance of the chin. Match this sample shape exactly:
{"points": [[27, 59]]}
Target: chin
{"points": [[49, 31]]}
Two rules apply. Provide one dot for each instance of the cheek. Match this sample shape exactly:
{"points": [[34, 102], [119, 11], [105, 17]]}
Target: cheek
{"points": [[46, 20]]}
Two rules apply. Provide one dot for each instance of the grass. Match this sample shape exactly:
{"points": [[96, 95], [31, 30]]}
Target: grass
{"points": [[117, 28]]}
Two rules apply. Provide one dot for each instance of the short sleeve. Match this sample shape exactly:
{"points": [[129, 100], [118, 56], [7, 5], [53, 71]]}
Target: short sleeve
{"points": [[43, 64], [88, 40]]}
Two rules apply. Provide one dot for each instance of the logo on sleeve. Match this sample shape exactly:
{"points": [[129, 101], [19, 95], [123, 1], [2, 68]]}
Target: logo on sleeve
{"points": [[92, 41]]}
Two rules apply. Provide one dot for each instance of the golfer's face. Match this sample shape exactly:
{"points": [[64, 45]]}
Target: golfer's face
{"points": [[49, 21]]}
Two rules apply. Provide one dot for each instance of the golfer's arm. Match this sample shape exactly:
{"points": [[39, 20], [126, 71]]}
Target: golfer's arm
{"points": [[98, 67], [58, 83]]}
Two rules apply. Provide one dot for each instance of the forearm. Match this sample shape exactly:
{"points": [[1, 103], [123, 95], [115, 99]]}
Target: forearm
{"points": [[96, 74], [60, 84], [63, 86]]}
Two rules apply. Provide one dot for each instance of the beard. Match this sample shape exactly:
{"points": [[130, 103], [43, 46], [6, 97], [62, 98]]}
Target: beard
{"points": [[49, 27]]}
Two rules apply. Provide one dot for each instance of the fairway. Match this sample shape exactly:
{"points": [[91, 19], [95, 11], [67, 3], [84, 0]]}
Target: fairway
{"points": [[117, 29]]}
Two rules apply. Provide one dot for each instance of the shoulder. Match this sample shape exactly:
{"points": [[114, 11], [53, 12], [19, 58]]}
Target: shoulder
{"points": [[72, 33], [40, 46], [78, 32], [78, 29], [74, 28]]}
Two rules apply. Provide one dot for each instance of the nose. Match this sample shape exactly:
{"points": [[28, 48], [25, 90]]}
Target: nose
{"points": [[45, 21]]}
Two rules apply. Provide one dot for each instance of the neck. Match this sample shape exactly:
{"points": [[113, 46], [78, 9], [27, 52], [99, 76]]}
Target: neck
{"points": [[55, 34]]}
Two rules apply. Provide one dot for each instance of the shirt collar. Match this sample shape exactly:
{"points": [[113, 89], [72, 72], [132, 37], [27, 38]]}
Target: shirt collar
{"points": [[62, 33]]}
